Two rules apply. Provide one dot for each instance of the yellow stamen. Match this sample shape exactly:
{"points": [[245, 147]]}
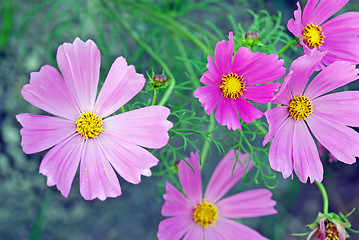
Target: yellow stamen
{"points": [[300, 107], [313, 36], [89, 125], [205, 214], [232, 85]]}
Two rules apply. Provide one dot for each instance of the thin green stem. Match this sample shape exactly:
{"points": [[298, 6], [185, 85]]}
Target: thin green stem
{"points": [[208, 141], [36, 228], [325, 197], [287, 46], [154, 97]]}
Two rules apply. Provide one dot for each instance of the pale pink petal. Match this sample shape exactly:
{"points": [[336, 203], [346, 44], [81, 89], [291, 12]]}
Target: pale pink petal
{"points": [[284, 95], [330, 78], [330, 58], [306, 160], [229, 229], [341, 107], [189, 174], [196, 233], [223, 54], [280, 152], [243, 57], [128, 159], [339, 140], [48, 91], [275, 118], [97, 177], [175, 203], [252, 203], [211, 233], [261, 93], [79, 63], [247, 111], [265, 68], [175, 227], [209, 97], [121, 85], [227, 173], [295, 25], [226, 114], [322, 228], [345, 24], [61, 162], [341, 231], [147, 127], [322, 11], [42, 132]]}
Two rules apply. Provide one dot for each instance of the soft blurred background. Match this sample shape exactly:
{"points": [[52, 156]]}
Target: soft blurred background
{"points": [[31, 31]]}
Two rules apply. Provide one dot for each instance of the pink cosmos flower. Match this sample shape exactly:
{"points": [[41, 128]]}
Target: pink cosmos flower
{"points": [[84, 133], [337, 36], [196, 217], [232, 81], [326, 116], [328, 228]]}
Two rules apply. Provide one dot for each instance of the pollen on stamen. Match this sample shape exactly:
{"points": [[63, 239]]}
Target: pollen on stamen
{"points": [[313, 35], [232, 85], [89, 125], [205, 214], [300, 107]]}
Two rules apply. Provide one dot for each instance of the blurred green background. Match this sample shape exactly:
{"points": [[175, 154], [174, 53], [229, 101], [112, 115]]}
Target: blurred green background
{"points": [[31, 31]]}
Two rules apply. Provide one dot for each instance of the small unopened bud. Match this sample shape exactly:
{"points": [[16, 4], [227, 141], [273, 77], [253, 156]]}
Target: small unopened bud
{"points": [[251, 36], [160, 78]]}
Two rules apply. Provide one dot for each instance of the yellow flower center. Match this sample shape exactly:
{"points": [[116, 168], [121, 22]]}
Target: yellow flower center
{"points": [[300, 107], [313, 35], [331, 231], [89, 125], [232, 85], [205, 214]]}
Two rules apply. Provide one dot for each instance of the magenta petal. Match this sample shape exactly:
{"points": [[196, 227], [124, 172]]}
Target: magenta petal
{"points": [[48, 91], [224, 177], [147, 127], [243, 57], [253, 203], [229, 229], [261, 93], [247, 111], [175, 227], [196, 232], [61, 162], [296, 26], [97, 178], [209, 97], [284, 95], [341, 107], [212, 76], [345, 24], [307, 12], [79, 63], [190, 178], [275, 118], [226, 114], [280, 152], [128, 159], [223, 54], [121, 85], [330, 78], [175, 203], [341, 141], [306, 158], [42, 132]]}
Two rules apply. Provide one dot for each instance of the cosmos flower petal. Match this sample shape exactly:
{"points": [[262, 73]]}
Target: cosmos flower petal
{"points": [[225, 175], [261, 93], [308, 11], [226, 114], [252, 203], [340, 107], [189, 174], [342, 25], [121, 85], [79, 63], [212, 233], [61, 162], [175, 203], [330, 134], [48, 91], [138, 126], [212, 76], [196, 232], [284, 95], [97, 177], [233, 230], [223, 55], [295, 25], [209, 97], [128, 159], [335, 75], [280, 152], [306, 158], [275, 118], [247, 111], [243, 57], [175, 227], [42, 132]]}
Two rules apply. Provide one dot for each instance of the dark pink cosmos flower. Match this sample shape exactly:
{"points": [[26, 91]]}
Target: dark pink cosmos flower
{"points": [[83, 133], [208, 217], [232, 81]]}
